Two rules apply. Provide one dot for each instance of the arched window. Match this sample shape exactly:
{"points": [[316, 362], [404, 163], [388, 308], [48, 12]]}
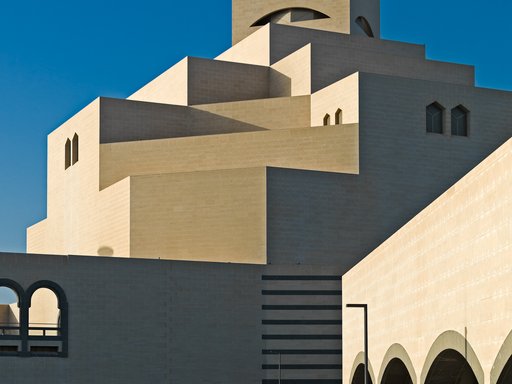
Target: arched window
{"points": [[435, 118], [75, 148], [338, 117], [327, 119], [10, 330], [460, 121], [67, 154], [47, 320], [365, 26]]}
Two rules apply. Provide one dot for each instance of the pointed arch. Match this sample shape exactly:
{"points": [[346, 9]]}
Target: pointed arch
{"points": [[397, 352], [452, 345], [338, 117], [358, 369], [502, 367], [327, 119]]}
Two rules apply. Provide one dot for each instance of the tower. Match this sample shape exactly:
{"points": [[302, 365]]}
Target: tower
{"points": [[358, 17]]}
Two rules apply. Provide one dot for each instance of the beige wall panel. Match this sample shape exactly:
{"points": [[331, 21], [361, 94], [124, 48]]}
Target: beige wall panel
{"points": [[343, 95], [215, 216], [275, 113], [169, 88], [255, 49], [247, 12], [448, 269], [296, 67], [331, 149], [80, 219]]}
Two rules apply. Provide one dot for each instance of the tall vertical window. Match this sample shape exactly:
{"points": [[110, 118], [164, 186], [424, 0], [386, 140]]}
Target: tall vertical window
{"points": [[327, 119], [338, 117], [460, 121], [67, 154], [75, 148], [435, 118]]}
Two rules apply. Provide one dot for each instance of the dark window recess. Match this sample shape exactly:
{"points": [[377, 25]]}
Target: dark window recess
{"points": [[44, 349], [365, 26], [301, 307], [300, 278], [8, 348], [301, 337], [296, 14], [460, 121], [75, 149], [301, 293], [338, 117], [301, 322], [435, 118], [327, 119], [67, 154], [301, 351], [301, 366]]}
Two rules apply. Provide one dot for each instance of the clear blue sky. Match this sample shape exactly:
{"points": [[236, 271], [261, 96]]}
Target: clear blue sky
{"points": [[57, 56]]}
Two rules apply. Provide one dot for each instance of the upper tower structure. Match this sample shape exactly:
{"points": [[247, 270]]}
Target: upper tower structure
{"points": [[359, 17]]}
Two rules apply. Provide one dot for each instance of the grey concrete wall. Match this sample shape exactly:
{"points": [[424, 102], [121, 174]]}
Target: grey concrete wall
{"points": [[155, 321], [316, 217]]}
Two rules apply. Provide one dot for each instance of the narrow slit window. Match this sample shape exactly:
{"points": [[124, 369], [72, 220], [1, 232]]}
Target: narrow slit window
{"points": [[67, 154], [338, 117], [460, 121], [327, 119], [75, 149], [435, 118]]}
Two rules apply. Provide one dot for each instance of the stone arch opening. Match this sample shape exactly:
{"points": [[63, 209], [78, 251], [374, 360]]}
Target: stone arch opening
{"points": [[450, 367], [506, 374], [501, 371], [47, 309], [358, 377], [396, 373]]}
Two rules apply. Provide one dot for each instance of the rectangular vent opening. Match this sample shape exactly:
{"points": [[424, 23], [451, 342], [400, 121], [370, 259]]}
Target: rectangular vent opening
{"points": [[44, 349], [8, 348]]}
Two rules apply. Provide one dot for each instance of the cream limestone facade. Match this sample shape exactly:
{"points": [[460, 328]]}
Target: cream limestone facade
{"points": [[443, 281], [225, 200]]}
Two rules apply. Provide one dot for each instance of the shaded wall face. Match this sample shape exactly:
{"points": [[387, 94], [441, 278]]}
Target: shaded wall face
{"points": [[138, 321], [322, 217]]}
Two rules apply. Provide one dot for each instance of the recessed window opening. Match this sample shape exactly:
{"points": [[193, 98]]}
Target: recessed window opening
{"points": [[67, 154], [435, 118], [460, 121], [327, 119], [338, 117], [292, 14], [9, 313], [75, 149], [365, 26], [44, 314]]}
